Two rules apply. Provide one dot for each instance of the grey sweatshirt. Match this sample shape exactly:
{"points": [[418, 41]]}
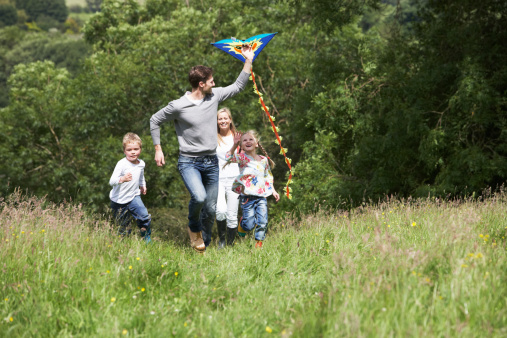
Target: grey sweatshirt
{"points": [[196, 125]]}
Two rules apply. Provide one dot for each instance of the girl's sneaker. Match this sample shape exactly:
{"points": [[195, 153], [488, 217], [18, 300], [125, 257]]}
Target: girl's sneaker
{"points": [[258, 245]]}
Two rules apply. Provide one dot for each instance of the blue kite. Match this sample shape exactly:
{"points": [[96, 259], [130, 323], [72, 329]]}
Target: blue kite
{"points": [[233, 46]]}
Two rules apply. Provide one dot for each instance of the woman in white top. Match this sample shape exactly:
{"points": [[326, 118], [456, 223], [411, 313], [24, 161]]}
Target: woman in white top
{"points": [[227, 203]]}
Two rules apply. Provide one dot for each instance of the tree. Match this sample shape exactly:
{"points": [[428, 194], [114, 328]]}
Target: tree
{"points": [[55, 9], [8, 15], [422, 113], [18, 46], [94, 5]]}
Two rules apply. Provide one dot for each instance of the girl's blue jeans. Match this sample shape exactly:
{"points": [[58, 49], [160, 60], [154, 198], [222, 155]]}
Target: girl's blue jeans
{"points": [[123, 214], [200, 175], [255, 215]]}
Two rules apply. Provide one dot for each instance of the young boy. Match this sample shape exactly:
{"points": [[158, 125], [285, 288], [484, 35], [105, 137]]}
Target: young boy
{"points": [[128, 183]]}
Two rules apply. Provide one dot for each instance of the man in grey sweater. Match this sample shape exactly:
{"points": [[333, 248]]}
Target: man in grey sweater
{"points": [[195, 121]]}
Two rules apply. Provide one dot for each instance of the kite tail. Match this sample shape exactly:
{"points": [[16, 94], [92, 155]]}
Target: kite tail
{"points": [[283, 151]]}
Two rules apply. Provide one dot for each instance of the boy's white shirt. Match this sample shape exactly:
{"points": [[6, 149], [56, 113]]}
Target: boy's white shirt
{"points": [[125, 192]]}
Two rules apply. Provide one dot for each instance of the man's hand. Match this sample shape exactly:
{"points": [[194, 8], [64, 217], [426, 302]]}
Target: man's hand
{"points": [[247, 52], [159, 156], [143, 190]]}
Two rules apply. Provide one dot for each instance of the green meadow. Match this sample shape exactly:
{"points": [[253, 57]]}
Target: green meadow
{"points": [[425, 267]]}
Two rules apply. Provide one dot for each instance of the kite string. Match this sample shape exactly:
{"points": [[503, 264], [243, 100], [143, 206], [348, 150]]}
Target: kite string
{"points": [[283, 150]]}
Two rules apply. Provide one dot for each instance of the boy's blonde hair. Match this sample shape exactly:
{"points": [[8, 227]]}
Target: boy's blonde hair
{"points": [[132, 138]]}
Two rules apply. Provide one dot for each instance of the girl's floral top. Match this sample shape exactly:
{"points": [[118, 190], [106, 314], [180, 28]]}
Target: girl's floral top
{"points": [[254, 178]]}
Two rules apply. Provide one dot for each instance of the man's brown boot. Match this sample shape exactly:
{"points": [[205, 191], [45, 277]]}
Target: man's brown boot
{"points": [[196, 241]]}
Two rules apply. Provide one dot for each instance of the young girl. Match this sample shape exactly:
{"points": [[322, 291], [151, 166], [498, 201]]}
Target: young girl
{"points": [[254, 184]]}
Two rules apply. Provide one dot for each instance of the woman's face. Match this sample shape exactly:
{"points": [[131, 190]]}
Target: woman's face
{"points": [[224, 121]]}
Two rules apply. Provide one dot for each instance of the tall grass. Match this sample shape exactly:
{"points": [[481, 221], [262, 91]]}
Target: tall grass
{"points": [[400, 268]]}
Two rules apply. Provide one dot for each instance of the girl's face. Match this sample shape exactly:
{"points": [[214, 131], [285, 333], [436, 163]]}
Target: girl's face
{"points": [[224, 121], [248, 143], [132, 152]]}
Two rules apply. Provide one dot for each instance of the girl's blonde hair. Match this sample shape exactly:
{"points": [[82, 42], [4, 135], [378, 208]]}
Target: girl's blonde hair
{"points": [[232, 127], [257, 138], [132, 138]]}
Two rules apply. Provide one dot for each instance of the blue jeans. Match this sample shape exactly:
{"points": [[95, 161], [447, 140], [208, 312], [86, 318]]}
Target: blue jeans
{"points": [[200, 175], [255, 212], [123, 214]]}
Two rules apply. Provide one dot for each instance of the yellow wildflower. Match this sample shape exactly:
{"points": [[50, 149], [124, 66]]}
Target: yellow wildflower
{"points": [[268, 329]]}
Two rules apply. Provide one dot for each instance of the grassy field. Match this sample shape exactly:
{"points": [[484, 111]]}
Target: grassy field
{"points": [[409, 268]]}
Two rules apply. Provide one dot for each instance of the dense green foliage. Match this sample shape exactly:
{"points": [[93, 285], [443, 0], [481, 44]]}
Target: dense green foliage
{"points": [[55, 9], [18, 46], [429, 268], [94, 5], [420, 112], [8, 15], [375, 98]]}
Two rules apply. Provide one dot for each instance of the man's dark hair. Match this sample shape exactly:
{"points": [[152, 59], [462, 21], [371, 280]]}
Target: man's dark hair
{"points": [[198, 74]]}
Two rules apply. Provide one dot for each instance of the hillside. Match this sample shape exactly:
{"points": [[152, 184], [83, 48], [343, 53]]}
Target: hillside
{"points": [[404, 268]]}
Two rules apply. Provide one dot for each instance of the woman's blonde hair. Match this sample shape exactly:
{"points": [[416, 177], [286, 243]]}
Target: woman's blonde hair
{"points": [[232, 126], [132, 138]]}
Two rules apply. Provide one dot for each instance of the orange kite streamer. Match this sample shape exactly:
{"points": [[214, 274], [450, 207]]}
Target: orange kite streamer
{"points": [[233, 47]]}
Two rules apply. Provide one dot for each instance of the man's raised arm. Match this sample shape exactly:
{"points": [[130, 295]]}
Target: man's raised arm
{"points": [[248, 54]]}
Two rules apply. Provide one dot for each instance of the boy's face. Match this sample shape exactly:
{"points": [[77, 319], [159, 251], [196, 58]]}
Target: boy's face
{"points": [[132, 151]]}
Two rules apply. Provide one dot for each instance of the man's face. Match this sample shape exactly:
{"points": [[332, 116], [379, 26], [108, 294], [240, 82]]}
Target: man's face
{"points": [[208, 85]]}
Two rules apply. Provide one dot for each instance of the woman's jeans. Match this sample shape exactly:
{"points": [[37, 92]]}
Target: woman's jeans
{"points": [[227, 202], [200, 175], [255, 215], [123, 214]]}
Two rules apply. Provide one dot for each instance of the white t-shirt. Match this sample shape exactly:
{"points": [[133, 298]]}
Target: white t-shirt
{"points": [[196, 102], [232, 170], [125, 192]]}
